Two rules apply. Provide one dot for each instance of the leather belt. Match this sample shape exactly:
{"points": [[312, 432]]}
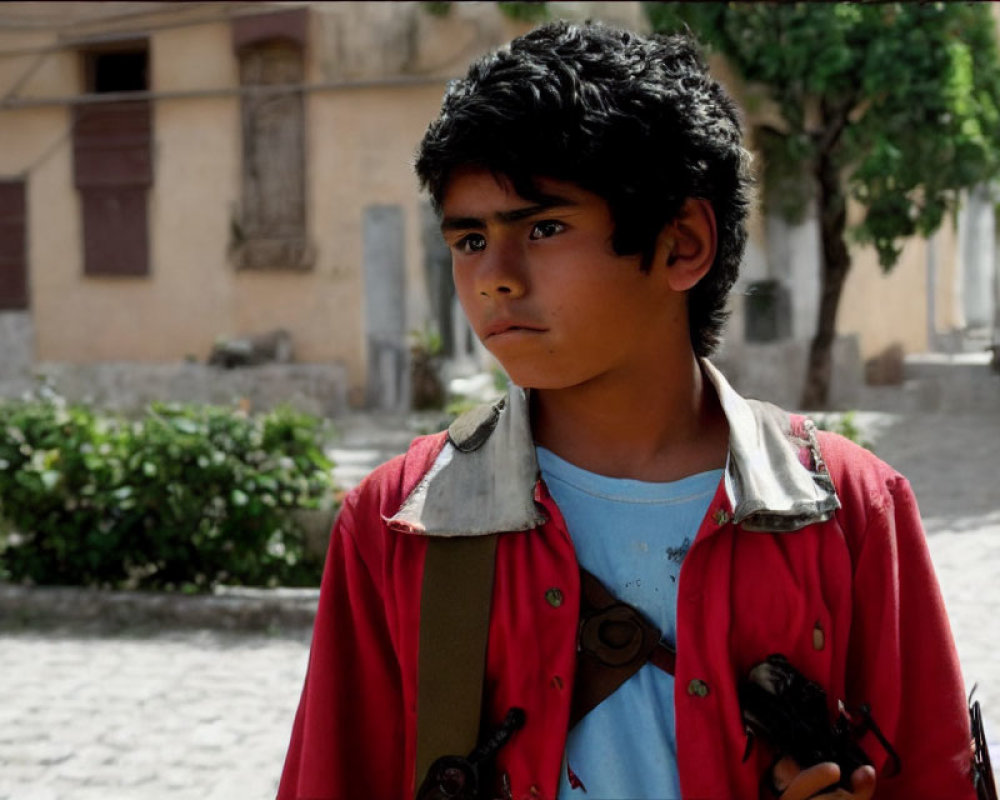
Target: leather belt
{"points": [[613, 642]]}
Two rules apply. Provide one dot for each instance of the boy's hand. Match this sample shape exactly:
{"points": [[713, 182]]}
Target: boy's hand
{"points": [[795, 784]]}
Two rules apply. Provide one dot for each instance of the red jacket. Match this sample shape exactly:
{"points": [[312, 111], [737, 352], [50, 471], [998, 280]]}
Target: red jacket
{"points": [[839, 581]]}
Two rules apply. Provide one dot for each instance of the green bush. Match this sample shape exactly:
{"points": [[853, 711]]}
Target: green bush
{"points": [[846, 425], [186, 497]]}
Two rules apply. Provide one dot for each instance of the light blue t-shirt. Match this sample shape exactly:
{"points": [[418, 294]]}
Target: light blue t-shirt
{"points": [[632, 535]]}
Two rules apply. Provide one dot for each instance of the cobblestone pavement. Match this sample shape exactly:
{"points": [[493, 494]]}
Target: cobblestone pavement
{"points": [[953, 463], [207, 714], [181, 716]]}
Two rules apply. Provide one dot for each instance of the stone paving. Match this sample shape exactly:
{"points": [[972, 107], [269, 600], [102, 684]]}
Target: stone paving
{"points": [[182, 716], [206, 714], [953, 463]]}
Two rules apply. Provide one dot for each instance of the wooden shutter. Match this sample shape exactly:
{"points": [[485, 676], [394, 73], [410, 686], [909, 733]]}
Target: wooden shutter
{"points": [[273, 146], [116, 235], [113, 169], [13, 249], [273, 217], [290, 25]]}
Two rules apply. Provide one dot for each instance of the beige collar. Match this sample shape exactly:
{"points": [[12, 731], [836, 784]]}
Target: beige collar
{"points": [[484, 479]]}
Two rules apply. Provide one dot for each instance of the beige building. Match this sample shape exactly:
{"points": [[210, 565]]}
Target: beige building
{"points": [[177, 172], [173, 173]]}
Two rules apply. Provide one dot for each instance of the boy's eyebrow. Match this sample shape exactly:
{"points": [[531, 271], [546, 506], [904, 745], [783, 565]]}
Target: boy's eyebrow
{"points": [[506, 217]]}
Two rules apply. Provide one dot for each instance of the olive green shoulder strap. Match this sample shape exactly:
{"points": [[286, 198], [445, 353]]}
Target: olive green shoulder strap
{"points": [[454, 628]]}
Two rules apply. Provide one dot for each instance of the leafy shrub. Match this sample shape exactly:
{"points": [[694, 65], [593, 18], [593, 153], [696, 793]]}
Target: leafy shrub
{"points": [[528, 11], [846, 425], [186, 497]]}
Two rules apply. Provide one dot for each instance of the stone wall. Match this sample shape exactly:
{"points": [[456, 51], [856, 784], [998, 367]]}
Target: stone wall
{"points": [[17, 338], [775, 371], [319, 389], [963, 383]]}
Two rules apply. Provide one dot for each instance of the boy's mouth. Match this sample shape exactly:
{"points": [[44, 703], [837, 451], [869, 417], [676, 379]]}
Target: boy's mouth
{"points": [[501, 327]]}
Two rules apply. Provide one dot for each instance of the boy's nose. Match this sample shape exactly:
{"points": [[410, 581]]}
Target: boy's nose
{"points": [[501, 287], [502, 274]]}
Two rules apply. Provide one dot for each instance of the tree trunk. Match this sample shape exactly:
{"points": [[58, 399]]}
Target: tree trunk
{"points": [[834, 269]]}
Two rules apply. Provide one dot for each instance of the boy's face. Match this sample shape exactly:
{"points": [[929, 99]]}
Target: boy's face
{"points": [[543, 288]]}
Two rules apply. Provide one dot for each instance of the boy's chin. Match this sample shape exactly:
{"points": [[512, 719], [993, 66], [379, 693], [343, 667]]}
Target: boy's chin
{"points": [[548, 376], [527, 375], [538, 383]]}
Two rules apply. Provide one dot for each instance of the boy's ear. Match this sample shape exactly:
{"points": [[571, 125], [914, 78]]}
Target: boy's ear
{"points": [[686, 246]]}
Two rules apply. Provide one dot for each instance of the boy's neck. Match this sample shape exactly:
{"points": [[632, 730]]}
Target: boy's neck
{"points": [[664, 429]]}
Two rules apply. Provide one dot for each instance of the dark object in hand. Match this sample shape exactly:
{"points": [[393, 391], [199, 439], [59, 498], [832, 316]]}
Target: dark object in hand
{"points": [[982, 769], [451, 778], [469, 778], [789, 712]]}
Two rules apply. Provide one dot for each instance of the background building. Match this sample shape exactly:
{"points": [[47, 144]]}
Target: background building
{"points": [[173, 173]]}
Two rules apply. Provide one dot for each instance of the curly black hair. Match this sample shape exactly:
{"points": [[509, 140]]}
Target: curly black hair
{"points": [[634, 119]]}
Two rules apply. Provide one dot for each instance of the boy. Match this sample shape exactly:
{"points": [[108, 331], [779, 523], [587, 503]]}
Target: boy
{"points": [[593, 190]]}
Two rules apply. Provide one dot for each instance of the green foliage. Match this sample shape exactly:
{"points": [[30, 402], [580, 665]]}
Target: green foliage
{"points": [[437, 9], [427, 391], [788, 187], [525, 11], [186, 497], [426, 341], [458, 406], [501, 382], [846, 425], [905, 97]]}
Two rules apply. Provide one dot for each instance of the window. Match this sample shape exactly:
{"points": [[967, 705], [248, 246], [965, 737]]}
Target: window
{"points": [[112, 161], [117, 70], [13, 260], [270, 232]]}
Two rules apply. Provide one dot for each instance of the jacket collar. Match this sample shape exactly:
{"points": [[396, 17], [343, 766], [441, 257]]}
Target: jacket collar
{"points": [[483, 481]]}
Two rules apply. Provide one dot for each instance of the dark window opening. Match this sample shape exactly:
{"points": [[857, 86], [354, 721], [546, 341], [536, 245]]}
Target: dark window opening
{"points": [[118, 71], [112, 160], [13, 246]]}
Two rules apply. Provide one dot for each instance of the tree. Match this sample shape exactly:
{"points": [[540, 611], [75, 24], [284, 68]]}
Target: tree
{"points": [[894, 105]]}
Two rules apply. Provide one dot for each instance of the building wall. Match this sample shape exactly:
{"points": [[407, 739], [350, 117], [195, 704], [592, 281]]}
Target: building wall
{"points": [[912, 305], [880, 310], [886, 309], [376, 73], [359, 145]]}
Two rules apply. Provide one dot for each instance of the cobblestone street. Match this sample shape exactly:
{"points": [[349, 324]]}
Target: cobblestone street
{"points": [[182, 716], [207, 715]]}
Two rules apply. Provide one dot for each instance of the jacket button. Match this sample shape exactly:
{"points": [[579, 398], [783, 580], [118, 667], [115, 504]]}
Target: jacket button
{"points": [[554, 597], [721, 517], [698, 688]]}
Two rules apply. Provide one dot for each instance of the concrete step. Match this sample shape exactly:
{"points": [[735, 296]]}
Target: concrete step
{"points": [[972, 364], [101, 611], [940, 382]]}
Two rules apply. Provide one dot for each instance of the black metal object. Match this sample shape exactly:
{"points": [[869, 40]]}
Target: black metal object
{"points": [[470, 778], [789, 712], [982, 769]]}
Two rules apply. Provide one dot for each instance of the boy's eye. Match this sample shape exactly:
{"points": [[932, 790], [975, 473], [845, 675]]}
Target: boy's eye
{"points": [[471, 243], [546, 228]]}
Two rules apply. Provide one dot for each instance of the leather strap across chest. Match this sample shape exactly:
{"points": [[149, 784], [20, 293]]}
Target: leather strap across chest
{"points": [[614, 642]]}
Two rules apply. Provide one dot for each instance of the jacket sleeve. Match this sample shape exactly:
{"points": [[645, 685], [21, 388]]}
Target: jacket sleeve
{"points": [[902, 659], [348, 732]]}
